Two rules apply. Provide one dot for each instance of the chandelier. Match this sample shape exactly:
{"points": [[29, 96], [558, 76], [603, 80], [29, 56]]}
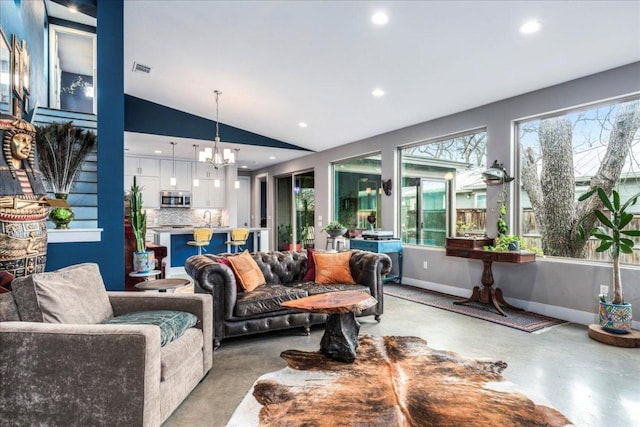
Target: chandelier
{"points": [[217, 158]]}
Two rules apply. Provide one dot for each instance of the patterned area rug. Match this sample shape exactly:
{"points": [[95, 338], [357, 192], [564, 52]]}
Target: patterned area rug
{"points": [[394, 381], [522, 320]]}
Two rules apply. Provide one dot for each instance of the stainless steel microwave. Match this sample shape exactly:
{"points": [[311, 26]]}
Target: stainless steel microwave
{"points": [[175, 199]]}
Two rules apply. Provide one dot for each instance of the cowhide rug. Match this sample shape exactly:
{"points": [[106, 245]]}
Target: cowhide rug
{"points": [[395, 381]]}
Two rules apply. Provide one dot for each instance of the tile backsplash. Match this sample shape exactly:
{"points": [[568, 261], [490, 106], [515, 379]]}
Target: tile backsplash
{"points": [[180, 216]]}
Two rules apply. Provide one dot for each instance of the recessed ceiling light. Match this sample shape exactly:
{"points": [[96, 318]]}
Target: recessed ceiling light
{"points": [[530, 27], [272, 157], [157, 151], [379, 18], [73, 9], [377, 92], [302, 124], [244, 166]]}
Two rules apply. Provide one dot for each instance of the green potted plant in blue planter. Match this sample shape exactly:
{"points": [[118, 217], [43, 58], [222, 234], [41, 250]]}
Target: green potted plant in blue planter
{"points": [[143, 260], [613, 233]]}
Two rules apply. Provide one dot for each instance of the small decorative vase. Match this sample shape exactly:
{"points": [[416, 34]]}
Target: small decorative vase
{"points": [[143, 262], [513, 246], [371, 219], [61, 217], [615, 318]]}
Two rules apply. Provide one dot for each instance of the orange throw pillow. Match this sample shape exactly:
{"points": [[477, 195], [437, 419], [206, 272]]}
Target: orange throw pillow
{"points": [[333, 268], [247, 271]]}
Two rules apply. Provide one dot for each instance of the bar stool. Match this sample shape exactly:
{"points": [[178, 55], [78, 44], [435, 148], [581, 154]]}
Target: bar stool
{"points": [[238, 238], [201, 237], [335, 242]]}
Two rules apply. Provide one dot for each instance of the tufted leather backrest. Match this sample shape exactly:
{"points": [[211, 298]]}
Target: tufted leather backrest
{"points": [[282, 267]]}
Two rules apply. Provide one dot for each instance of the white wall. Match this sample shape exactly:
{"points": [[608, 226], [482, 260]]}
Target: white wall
{"points": [[564, 289]]}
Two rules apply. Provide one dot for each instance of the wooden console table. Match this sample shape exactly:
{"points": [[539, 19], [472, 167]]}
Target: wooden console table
{"points": [[472, 248]]}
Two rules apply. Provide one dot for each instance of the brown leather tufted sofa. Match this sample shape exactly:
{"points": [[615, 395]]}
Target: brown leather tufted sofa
{"points": [[238, 313]]}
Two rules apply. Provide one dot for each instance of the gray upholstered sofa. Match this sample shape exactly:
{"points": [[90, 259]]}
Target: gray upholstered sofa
{"points": [[238, 313], [63, 367]]}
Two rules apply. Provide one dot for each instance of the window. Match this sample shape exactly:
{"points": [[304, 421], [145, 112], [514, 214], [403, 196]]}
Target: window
{"points": [[561, 156], [72, 59], [358, 190], [443, 193]]}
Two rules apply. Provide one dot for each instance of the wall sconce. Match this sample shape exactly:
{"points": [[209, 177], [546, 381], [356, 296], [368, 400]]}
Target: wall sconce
{"points": [[387, 186], [496, 174], [368, 190]]}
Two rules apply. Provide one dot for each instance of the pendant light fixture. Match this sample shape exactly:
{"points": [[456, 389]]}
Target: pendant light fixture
{"points": [[172, 180], [236, 183], [214, 156], [196, 181]]}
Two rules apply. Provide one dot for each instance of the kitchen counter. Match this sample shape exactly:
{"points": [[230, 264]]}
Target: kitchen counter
{"points": [[176, 238]]}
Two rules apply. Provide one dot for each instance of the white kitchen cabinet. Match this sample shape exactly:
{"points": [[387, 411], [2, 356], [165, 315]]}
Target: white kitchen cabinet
{"points": [[142, 166], [206, 195], [183, 175], [150, 189], [204, 170]]}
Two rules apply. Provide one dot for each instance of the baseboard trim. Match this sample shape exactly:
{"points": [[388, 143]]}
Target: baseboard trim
{"points": [[564, 313]]}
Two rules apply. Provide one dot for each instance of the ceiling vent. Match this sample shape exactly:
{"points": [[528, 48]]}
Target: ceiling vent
{"points": [[139, 68]]}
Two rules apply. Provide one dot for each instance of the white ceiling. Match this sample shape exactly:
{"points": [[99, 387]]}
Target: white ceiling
{"points": [[281, 62]]}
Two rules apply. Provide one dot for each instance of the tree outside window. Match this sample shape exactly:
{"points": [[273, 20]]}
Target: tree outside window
{"points": [[566, 155], [443, 193]]}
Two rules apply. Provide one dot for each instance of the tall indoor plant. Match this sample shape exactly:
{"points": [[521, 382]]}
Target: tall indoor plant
{"points": [[142, 259], [62, 148], [613, 233]]}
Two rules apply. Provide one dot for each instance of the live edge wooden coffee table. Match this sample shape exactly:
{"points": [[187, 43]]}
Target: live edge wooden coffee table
{"points": [[340, 339]]}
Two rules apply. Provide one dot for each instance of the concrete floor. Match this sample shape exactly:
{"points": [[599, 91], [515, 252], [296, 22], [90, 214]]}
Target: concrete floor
{"points": [[592, 384]]}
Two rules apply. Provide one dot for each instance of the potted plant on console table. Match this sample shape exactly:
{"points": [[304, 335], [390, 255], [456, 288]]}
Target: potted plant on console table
{"points": [[143, 260], [615, 315], [334, 229]]}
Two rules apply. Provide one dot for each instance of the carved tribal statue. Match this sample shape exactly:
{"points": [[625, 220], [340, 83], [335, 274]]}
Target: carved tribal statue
{"points": [[23, 203]]}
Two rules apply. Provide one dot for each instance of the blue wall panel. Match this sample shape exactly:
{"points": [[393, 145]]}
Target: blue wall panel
{"points": [[109, 252]]}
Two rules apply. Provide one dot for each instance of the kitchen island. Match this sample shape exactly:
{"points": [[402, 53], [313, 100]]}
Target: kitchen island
{"points": [[176, 238]]}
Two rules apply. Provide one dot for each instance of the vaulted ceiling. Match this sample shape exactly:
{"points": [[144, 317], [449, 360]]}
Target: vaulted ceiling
{"points": [[279, 63]]}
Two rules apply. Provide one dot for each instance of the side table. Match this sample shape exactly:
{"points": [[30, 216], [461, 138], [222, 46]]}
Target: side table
{"points": [[340, 339], [147, 275], [389, 246], [162, 285]]}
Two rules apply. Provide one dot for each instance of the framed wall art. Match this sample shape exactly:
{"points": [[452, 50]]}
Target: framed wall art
{"points": [[5, 74], [16, 69], [26, 68]]}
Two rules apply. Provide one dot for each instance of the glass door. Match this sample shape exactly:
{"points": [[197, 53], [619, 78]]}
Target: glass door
{"points": [[424, 211], [295, 211], [305, 198]]}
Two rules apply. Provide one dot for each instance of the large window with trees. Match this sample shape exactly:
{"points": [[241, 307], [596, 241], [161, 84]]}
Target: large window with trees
{"points": [[564, 155], [443, 193]]}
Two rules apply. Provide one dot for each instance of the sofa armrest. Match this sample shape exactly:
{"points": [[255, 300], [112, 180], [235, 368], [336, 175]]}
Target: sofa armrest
{"points": [[61, 374], [368, 269], [215, 278], [198, 304]]}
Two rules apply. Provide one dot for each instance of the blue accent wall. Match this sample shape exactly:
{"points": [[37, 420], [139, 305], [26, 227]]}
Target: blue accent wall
{"points": [[109, 252], [144, 116]]}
